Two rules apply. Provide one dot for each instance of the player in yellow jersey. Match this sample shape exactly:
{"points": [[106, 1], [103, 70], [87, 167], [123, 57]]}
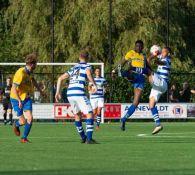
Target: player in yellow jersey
{"points": [[22, 88], [136, 74]]}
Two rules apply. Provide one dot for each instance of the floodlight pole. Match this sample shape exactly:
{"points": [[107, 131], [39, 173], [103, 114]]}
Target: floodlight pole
{"points": [[52, 49], [110, 42], [167, 40]]}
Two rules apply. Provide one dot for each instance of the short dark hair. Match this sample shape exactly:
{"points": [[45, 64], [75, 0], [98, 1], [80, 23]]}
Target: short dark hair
{"points": [[140, 42], [168, 49], [97, 68], [31, 58], [84, 54]]}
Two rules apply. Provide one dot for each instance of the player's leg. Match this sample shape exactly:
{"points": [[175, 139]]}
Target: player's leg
{"points": [[19, 112], [27, 126], [131, 109], [77, 115], [10, 112], [5, 116], [79, 127], [86, 108], [5, 108], [99, 111], [154, 96], [27, 107], [10, 115], [94, 105], [159, 86]]}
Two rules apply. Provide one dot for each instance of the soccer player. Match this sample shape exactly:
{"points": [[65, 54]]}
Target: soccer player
{"points": [[159, 81], [22, 88], [97, 99], [77, 98], [137, 72], [7, 107]]}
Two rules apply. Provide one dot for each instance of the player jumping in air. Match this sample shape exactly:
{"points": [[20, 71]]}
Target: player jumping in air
{"points": [[22, 88], [138, 72], [159, 81], [7, 106], [77, 97], [97, 99]]}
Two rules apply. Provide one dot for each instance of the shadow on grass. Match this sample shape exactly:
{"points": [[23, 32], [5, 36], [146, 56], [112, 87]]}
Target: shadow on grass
{"points": [[91, 172]]}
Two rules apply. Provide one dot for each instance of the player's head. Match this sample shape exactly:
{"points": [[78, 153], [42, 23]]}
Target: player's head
{"points": [[166, 51], [173, 87], [97, 72], [8, 81], [84, 56], [139, 46], [31, 61]]}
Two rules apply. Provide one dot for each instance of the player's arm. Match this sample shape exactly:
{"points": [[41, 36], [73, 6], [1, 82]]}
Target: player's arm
{"points": [[158, 62], [91, 80], [89, 87], [59, 82], [120, 64], [14, 90], [193, 91]]}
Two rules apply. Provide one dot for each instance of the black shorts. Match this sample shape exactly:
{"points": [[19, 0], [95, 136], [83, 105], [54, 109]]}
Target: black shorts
{"points": [[7, 104]]}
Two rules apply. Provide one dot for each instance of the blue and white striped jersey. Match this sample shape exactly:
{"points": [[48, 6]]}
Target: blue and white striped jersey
{"points": [[78, 79], [100, 82], [164, 70]]}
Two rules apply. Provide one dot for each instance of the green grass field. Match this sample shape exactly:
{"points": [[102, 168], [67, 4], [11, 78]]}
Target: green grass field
{"points": [[56, 150]]}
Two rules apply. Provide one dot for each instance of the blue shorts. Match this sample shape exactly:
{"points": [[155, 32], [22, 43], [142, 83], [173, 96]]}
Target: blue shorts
{"points": [[26, 106], [139, 81]]}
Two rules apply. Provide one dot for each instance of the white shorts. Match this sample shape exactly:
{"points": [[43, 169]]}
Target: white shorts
{"points": [[159, 86], [97, 103], [80, 104]]}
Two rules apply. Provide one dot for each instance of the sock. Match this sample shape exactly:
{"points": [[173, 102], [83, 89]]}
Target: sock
{"points": [[10, 117], [17, 123], [130, 111], [89, 128], [98, 120], [5, 117], [27, 128], [155, 115], [80, 129]]}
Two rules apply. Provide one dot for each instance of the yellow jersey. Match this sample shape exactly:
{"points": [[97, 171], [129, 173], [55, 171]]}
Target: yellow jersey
{"points": [[137, 59], [23, 80]]}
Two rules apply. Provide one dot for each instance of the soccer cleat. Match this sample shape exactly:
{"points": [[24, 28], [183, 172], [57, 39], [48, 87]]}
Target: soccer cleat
{"points": [[24, 140], [10, 123], [16, 130], [157, 129], [92, 141], [83, 140], [122, 125], [5, 122]]}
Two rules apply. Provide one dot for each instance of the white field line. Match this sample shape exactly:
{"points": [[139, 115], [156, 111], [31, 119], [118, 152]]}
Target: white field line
{"points": [[168, 135]]}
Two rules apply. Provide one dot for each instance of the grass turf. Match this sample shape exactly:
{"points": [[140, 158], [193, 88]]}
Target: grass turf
{"points": [[56, 150]]}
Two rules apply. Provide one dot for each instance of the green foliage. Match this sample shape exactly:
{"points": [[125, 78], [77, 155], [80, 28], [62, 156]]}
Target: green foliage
{"points": [[25, 26]]}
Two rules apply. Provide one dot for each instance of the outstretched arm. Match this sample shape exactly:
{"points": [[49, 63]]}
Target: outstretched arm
{"points": [[59, 82]]}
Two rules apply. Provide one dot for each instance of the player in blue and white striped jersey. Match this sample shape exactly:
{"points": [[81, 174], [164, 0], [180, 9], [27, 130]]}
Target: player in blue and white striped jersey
{"points": [[159, 81], [97, 99], [78, 76]]}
